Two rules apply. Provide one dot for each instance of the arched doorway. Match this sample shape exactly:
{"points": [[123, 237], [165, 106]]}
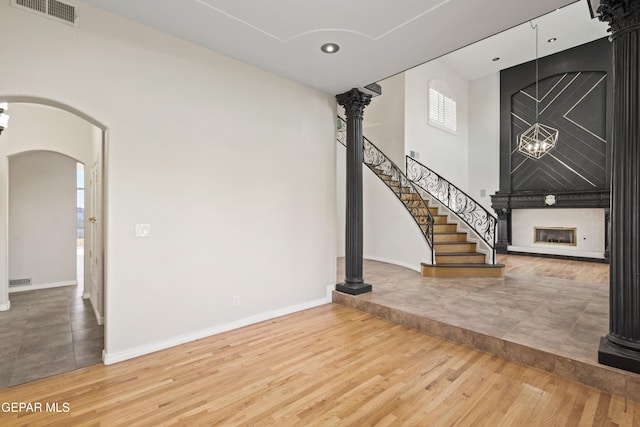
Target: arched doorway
{"points": [[43, 126]]}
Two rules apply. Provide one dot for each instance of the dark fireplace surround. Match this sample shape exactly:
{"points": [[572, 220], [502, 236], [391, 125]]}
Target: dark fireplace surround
{"points": [[519, 189]]}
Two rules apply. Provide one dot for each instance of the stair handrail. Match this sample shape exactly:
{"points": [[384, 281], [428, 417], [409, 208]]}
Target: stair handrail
{"points": [[479, 219], [374, 158]]}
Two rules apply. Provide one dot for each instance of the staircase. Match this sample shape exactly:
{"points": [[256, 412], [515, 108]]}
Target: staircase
{"points": [[453, 254]]}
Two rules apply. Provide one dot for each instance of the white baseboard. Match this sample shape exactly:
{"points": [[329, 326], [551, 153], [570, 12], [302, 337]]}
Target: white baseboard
{"points": [[119, 356], [42, 286], [5, 307], [99, 317], [556, 251], [394, 262]]}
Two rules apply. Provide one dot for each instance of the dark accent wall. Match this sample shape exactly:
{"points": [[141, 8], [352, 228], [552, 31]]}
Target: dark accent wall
{"points": [[574, 88], [574, 103]]}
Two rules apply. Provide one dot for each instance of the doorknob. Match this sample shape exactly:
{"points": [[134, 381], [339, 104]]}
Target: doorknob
{"points": [[92, 219]]}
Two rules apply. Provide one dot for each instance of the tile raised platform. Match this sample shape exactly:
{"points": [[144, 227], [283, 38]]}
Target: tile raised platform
{"points": [[545, 313]]}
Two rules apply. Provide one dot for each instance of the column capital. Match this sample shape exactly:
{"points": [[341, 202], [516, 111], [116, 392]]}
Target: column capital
{"points": [[620, 14], [354, 102]]}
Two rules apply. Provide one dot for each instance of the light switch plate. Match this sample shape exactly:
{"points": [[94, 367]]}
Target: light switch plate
{"points": [[143, 230]]}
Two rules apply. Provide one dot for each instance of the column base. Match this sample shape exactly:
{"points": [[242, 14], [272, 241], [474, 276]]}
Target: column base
{"points": [[611, 354], [354, 288]]}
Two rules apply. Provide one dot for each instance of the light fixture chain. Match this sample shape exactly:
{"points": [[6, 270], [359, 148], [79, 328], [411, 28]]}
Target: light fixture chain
{"points": [[537, 75], [539, 139]]}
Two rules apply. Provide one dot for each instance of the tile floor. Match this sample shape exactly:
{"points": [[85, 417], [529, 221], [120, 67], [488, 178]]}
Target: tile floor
{"points": [[47, 332]]}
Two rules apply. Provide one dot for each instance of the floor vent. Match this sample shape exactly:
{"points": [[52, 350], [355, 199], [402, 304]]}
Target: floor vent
{"points": [[57, 10], [20, 282]]}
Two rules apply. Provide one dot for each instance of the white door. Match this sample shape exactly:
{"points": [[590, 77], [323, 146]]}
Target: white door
{"points": [[95, 247]]}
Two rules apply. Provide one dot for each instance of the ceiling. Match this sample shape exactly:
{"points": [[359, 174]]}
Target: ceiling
{"points": [[570, 26], [377, 38]]}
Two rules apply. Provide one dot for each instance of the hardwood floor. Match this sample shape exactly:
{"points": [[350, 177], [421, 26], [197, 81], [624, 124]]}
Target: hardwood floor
{"points": [[589, 272], [321, 367]]}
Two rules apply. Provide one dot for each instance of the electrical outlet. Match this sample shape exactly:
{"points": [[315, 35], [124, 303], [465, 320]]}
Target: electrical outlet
{"points": [[236, 300]]}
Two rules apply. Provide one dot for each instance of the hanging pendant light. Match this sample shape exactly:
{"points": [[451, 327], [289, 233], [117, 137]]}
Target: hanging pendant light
{"points": [[539, 139]]}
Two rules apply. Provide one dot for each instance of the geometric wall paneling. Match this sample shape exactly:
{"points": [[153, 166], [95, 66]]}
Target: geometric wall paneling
{"points": [[575, 93], [574, 87], [575, 104]]}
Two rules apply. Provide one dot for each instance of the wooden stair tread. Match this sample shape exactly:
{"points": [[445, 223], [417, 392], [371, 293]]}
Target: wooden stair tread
{"points": [[460, 254], [464, 265], [452, 243]]}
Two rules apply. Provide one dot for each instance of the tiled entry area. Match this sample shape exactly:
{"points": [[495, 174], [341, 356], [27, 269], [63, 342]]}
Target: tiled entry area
{"points": [[47, 332]]}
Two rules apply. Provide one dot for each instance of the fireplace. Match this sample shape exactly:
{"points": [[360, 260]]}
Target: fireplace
{"points": [[520, 214], [565, 236]]}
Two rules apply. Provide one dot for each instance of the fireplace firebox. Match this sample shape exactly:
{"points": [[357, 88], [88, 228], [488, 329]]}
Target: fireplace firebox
{"points": [[555, 235]]}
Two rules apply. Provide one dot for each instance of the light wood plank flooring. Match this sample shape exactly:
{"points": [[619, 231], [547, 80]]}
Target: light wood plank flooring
{"points": [[589, 272], [545, 313], [321, 367]]}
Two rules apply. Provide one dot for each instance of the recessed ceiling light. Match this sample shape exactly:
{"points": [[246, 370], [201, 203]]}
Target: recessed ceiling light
{"points": [[497, 58], [551, 40], [329, 48]]}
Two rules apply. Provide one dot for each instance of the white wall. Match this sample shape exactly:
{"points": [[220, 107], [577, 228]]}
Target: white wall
{"points": [[390, 232], [443, 152], [42, 218], [34, 127], [484, 138], [588, 222], [383, 122], [233, 167]]}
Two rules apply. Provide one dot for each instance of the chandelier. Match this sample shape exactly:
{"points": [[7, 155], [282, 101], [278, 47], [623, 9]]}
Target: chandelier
{"points": [[539, 139]]}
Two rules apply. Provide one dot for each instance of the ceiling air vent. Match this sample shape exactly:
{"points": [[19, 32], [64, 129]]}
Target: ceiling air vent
{"points": [[54, 9], [63, 11], [37, 5]]}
